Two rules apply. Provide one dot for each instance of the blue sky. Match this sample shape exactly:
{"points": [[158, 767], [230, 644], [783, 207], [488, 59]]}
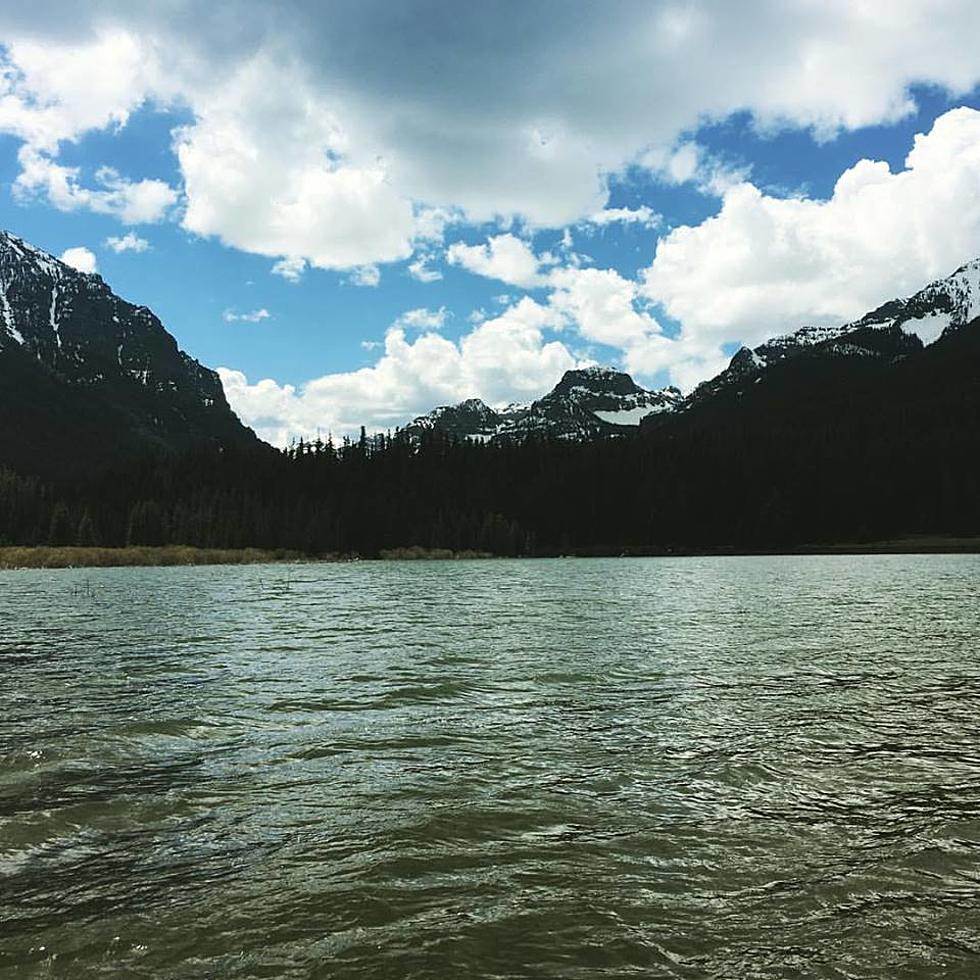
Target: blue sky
{"points": [[461, 210]]}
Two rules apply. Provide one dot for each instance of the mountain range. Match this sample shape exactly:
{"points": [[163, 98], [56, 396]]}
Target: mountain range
{"points": [[89, 376], [599, 401], [586, 403]]}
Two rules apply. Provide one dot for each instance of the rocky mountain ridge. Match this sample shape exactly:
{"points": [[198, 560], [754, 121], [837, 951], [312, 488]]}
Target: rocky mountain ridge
{"points": [[892, 330], [586, 402], [72, 323], [89, 373], [599, 401]]}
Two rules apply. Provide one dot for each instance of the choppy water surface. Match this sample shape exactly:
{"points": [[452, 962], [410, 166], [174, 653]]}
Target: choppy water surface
{"points": [[759, 767]]}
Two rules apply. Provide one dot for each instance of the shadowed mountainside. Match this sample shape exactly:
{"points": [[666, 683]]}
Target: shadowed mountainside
{"points": [[88, 379]]}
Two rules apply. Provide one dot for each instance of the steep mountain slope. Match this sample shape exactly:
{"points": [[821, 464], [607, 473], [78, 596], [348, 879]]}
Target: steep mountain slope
{"points": [[585, 403], [87, 378], [895, 329]]}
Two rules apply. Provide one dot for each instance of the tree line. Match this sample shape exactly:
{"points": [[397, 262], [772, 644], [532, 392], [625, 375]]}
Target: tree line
{"points": [[688, 490]]}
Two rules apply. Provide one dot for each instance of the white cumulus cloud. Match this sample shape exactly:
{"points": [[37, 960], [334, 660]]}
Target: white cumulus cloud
{"points": [[766, 265], [130, 242], [503, 359], [255, 316], [316, 134], [422, 270], [365, 275], [133, 202], [57, 86], [423, 318], [291, 269], [644, 216], [265, 170], [80, 258], [505, 257]]}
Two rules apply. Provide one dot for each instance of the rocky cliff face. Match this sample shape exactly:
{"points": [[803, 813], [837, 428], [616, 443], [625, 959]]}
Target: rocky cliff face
{"points": [[84, 373]]}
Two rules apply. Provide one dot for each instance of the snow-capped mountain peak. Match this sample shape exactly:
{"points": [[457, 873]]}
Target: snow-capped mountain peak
{"points": [[945, 304], [72, 323], [65, 331]]}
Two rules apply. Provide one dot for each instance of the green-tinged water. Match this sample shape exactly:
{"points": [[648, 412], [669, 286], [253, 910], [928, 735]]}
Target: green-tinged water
{"points": [[705, 767]]}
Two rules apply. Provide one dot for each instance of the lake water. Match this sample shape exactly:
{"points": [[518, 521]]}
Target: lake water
{"points": [[705, 767]]}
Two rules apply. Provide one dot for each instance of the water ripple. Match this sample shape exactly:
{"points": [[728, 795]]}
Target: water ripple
{"points": [[693, 768]]}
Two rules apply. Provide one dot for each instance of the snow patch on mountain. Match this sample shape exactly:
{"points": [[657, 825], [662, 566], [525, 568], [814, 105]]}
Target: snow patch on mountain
{"points": [[10, 324], [927, 328], [52, 314], [627, 416]]}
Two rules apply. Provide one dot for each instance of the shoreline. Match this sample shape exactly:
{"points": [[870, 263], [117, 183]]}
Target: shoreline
{"points": [[15, 557], [50, 556], [914, 545]]}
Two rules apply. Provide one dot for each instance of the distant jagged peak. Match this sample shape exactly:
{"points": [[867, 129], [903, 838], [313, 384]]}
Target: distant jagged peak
{"points": [[945, 303], [8, 240], [595, 378], [746, 360], [962, 289], [892, 330], [15, 252], [470, 417], [471, 406], [593, 371], [970, 269], [474, 405], [587, 402]]}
